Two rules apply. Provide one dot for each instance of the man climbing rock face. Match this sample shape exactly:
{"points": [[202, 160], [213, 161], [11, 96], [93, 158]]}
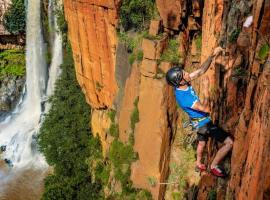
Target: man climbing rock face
{"points": [[198, 112]]}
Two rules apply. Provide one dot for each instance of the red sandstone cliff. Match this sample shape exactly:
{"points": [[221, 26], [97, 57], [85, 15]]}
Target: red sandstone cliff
{"points": [[237, 85], [92, 33]]}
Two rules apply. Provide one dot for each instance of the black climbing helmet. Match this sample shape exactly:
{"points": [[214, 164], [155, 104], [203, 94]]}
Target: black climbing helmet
{"points": [[174, 76]]}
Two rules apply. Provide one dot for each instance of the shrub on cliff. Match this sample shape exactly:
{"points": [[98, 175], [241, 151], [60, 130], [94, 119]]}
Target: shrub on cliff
{"points": [[171, 53], [12, 63], [67, 143], [136, 14], [14, 18]]}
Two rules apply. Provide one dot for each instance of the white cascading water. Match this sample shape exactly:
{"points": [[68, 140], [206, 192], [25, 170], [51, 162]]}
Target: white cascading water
{"points": [[57, 57], [18, 131]]}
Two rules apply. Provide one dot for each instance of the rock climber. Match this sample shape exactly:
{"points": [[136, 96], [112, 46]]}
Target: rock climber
{"points": [[198, 112]]}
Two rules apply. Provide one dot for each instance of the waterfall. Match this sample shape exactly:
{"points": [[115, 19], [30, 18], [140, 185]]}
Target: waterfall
{"points": [[57, 57], [19, 130]]}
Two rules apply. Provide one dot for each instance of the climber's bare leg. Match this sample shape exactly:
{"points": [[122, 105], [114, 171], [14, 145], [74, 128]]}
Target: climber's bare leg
{"points": [[200, 148], [222, 152]]}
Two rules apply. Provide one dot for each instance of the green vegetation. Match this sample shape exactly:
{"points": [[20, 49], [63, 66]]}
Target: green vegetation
{"points": [[240, 72], [132, 58], [183, 168], [171, 54], [61, 22], [179, 172], [140, 55], [48, 56], [66, 141], [121, 156], [134, 118], [114, 130], [176, 195], [137, 195], [136, 14], [128, 41], [234, 35], [14, 18], [102, 171], [135, 114], [160, 74], [12, 63], [152, 181], [80, 171], [263, 52], [212, 195], [198, 42], [137, 55], [151, 37], [112, 114], [133, 45]]}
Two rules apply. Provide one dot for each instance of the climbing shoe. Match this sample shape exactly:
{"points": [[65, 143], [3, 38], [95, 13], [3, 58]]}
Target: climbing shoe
{"points": [[218, 172], [200, 168]]}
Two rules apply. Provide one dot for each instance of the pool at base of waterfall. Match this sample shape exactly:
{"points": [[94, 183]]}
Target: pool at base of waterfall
{"points": [[23, 184]]}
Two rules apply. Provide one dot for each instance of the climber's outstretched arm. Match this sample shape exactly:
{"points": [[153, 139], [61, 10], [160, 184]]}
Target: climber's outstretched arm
{"points": [[204, 67]]}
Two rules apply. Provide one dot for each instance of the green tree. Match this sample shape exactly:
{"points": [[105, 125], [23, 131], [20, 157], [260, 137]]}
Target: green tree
{"points": [[136, 13], [66, 141], [14, 18]]}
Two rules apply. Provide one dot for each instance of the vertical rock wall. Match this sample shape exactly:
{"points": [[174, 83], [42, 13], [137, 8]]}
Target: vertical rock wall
{"points": [[250, 177], [239, 92], [153, 135], [92, 32]]}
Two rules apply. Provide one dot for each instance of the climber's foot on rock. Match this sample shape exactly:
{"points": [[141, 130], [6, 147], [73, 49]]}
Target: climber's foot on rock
{"points": [[200, 168], [215, 170]]}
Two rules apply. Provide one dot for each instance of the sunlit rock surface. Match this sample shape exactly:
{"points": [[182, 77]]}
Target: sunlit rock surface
{"points": [[237, 85], [93, 38]]}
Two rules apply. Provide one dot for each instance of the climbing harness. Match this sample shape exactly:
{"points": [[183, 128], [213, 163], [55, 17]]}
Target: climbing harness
{"points": [[191, 135], [192, 128]]}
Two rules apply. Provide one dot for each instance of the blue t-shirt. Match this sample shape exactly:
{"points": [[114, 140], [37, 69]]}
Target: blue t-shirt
{"points": [[186, 100]]}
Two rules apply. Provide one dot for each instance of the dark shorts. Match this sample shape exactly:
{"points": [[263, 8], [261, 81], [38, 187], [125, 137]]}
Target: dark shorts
{"points": [[213, 131]]}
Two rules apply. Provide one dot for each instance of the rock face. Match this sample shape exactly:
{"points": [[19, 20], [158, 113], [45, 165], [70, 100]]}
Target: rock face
{"points": [[241, 99], [10, 92], [4, 4], [157, 116], [171, 12], [180, 14], [131, 93], [250, 164], [152, 135], [237, 86], [93, 38], [100, 123]]}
